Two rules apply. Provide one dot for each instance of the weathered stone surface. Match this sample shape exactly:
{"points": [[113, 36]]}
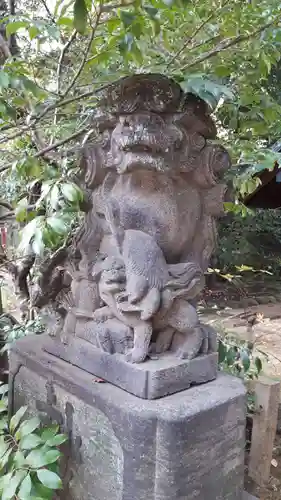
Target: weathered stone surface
{"points": [[186, 446], [267, 396], [150, 380], [154, 185], [247, 496]]}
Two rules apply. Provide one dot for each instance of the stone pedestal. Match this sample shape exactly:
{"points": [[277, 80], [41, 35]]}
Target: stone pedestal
{"points": [[185, 446], [150, 380]]}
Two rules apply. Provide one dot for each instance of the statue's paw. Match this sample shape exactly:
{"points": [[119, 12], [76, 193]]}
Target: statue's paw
{"points": [[136, 356], [100, 316], [161, 347], [192, 345], [209, 343]]}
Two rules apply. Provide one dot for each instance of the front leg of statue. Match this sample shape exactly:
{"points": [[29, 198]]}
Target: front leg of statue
{"points": [[142, 338]]}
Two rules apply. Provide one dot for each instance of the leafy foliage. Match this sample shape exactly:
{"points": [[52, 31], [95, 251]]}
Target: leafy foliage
{"points": [[223, 52], [15, 331], [29, 455], [254, 240], [237, 357], [240, 359]]}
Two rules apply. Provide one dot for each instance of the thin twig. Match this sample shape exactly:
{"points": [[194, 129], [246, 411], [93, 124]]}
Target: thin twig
{"points": [[204, 42], [61, 58], [60, 66], [195, 33], [51, 107], [51, 147], [85, 56], [48, 11], [5, 204], [111, 7], [225, 44], [8, 215]]}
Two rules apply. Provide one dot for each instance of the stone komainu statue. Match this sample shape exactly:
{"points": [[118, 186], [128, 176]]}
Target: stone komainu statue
{"points": [[152, 177]]}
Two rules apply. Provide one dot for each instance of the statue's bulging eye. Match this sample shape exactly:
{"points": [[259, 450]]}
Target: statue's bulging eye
{"points": [[125, 121]]}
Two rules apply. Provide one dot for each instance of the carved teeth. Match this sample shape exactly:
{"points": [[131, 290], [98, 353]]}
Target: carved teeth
{"points": [[141, 148]]}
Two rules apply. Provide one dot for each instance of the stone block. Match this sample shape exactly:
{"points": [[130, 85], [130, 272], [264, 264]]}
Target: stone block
{"points": [[150, 380], [185, 446], [267, 394], [247, 496]]}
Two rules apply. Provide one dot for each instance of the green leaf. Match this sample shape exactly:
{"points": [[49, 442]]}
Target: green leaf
{"points": [[126, 43], [27, 427], [136, 29], [10, 490], [3, 405], [25, 489], [231, 356], [57, 224], [65, 21], [4, 80], [38, 242], [151, 11], [3, 446], [30, 86], [12, 28], [33, 32], [50, 432], [40, 457], [30, 442], [21, 210], [53, 456], [15, 420], [127, 18], [4, 388], [80, 16], [28, 232], [70, 192], [156, 26], [57, 440], [258, 364], [54, 196], [222, 351], [19, 459], [49, 479], [246, 362]]}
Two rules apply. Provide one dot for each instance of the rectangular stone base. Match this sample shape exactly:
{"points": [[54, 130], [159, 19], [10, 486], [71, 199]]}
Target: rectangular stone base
{"points": [[149, 380], [186, 446]]}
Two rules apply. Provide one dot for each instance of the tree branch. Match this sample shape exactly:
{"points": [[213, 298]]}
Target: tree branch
{"points": [[48, 11], [58, 104], [5, 204], [225, 44], [51, 147], [4, 47], [59, 68], [61, 58]]}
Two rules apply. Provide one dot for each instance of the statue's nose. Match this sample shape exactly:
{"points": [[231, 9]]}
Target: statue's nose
{"points": [[144, 120]]}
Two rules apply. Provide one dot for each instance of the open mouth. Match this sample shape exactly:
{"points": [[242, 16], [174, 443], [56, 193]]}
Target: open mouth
{"points": [[143, 148], [115, 279]]}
